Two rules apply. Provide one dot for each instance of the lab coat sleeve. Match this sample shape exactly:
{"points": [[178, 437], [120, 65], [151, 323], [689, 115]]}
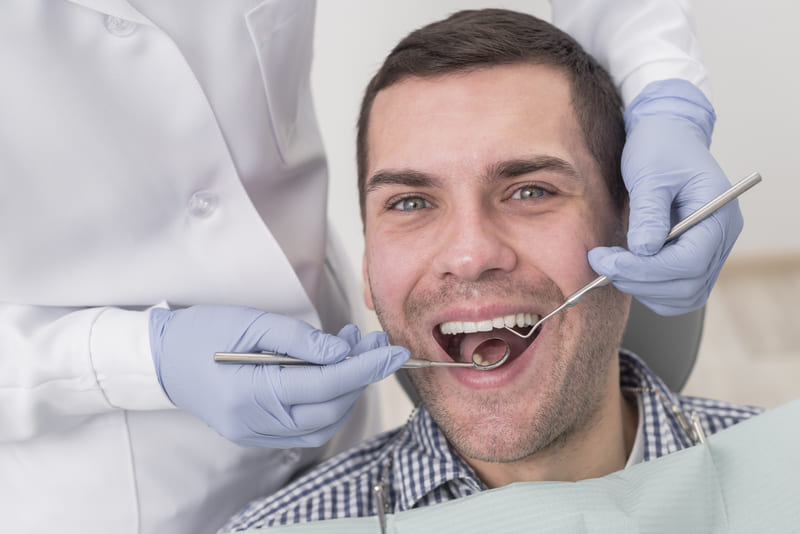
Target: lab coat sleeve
{"points": [[637, 41], [61, 366]]}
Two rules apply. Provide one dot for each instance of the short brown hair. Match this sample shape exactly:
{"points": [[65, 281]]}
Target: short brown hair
{"points": [[476, 39]]}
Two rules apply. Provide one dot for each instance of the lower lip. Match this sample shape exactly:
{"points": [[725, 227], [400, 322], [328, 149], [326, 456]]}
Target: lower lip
{"points": [[500, 376]]}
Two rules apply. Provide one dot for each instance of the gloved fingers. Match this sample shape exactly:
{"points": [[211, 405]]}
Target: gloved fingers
{"points": [[300, 419], [669, 305], [308, 385], [358, 345], [308, 425], [692, 255], [371, 341], [683, 289], [697, 192], [250, 399], [297, 339], [667, 294], [351, 334], [648, 223], [731, 222], [669, 298]]}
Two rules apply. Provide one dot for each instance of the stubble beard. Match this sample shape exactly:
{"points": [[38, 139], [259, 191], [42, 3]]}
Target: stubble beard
{"points": [[498, 429]]}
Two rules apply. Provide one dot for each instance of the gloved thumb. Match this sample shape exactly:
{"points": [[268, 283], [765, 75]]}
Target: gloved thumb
{"points": [[603, 260], [369, 366], [648, 226]]}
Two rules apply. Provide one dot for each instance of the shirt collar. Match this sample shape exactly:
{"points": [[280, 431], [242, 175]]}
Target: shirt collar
{"points": [[663, 433], [425, 462]]}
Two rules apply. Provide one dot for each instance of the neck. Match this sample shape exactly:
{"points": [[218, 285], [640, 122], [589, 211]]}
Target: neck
{"points": [[597, 449]]}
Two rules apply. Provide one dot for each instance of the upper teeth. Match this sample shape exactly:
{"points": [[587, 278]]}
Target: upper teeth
{"points": [[469, 327]]}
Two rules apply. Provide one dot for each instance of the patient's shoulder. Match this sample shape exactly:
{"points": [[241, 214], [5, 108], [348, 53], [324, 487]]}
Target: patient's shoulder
{"points": [[339, 487]]}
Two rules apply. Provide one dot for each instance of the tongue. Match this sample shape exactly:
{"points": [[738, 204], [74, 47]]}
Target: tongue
{"points": [[491, 352]]}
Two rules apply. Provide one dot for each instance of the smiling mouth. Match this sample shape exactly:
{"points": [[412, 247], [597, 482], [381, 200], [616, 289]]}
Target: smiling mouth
{"points": [[460, 338]]}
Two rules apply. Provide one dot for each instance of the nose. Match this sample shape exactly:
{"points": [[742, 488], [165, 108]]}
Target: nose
{"points": [[473, 243]]}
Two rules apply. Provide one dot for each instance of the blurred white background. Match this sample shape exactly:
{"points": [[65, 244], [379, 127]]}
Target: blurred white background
{"points": [[751, 347]]}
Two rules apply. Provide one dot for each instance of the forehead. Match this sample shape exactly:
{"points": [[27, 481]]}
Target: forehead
{"points": [[462, 119]]}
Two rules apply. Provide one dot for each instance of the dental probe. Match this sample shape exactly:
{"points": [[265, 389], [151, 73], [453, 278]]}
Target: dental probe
{"points": [[276, 358], [703, 212]]}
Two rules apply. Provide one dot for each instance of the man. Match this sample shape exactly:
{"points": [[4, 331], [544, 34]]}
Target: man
{"points": [[488, 149]]}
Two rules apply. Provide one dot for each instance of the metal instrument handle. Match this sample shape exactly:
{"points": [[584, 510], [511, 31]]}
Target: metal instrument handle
{"points": [[275, 358]]}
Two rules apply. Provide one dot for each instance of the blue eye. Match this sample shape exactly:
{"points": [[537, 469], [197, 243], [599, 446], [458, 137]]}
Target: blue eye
{"points": [[528, 192], [411, 204]]}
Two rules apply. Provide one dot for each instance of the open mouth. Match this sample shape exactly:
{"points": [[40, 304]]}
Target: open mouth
{"points": [[460, 339]]}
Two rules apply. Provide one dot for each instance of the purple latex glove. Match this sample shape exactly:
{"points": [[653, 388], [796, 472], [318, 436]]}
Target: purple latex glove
{"points": [[260, 405], [669, 173]]}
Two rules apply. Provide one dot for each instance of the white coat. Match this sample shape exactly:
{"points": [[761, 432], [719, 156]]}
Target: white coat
{"points": [[153, 154]]}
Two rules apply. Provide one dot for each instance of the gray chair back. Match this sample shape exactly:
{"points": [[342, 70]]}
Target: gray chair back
{"points": [[668, 345]]}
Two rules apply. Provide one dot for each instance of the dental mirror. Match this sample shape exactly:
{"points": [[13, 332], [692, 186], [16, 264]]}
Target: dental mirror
{"points": [[479, 361]]}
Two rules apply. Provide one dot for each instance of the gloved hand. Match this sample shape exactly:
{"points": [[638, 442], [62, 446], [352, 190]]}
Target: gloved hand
{"points": [[261, 405], [669, 173]]}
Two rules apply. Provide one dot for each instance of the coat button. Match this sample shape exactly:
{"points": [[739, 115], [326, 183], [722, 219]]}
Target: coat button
{"points": [[203, 203], [119, 27]]}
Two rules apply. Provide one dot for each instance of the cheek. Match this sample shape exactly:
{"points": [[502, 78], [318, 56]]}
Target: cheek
{"points": [[398, 256], [389, 273], [560, 251]]}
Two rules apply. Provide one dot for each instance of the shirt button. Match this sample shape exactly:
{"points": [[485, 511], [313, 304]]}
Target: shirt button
{"points": [[203, 203], [119, 27], [290, 456]]}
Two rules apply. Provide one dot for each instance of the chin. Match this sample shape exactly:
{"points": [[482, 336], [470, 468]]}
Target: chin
{"points": [[484, 427]]}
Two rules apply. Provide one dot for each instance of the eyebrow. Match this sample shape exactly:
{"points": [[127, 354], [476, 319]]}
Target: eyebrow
{"points": [[518, 167], [406, 177], [502, 170]]}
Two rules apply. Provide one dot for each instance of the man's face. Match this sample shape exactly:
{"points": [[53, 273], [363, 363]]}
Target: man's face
{"points": [[482, 202]]}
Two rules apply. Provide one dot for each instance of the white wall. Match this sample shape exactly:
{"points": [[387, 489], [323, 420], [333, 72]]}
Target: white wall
{"points": [[751, 52], [753, 55]]}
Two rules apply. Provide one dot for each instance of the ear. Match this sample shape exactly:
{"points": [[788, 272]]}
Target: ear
{"points": [[367, 290]]}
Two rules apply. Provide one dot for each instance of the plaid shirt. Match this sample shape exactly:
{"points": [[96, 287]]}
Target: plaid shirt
{"points": [[425, 469]]}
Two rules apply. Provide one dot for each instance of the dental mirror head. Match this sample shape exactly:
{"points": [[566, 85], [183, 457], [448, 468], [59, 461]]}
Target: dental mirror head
{"points": [[480, 356]]}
